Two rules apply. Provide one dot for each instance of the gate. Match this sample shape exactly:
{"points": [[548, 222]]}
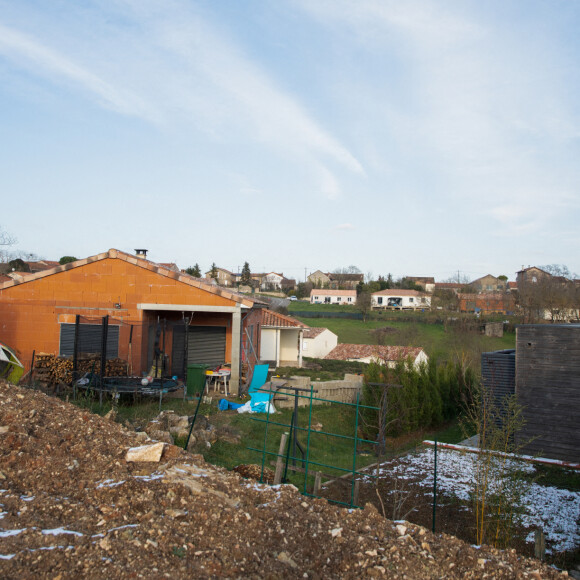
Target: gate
{"points": [[297, 456]]}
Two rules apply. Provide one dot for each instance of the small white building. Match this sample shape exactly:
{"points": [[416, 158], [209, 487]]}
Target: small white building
{"points": [[368, 353], [272, 281], [280, 339], [322, 296], [317, 342], [400, 299]]}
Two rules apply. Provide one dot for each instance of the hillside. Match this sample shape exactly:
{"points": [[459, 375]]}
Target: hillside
{"points": [[72, 506]]}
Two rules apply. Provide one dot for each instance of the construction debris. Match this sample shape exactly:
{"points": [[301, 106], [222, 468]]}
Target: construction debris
{"points": [[71, 506]]}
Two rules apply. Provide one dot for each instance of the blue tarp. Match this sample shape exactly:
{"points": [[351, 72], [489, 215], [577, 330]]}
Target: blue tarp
{"points": [[225, 405]]}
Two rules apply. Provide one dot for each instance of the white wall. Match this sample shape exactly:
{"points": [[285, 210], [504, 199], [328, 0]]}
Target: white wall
{"points": [[279, 345], [321, 345], [406, 301], [321, 299]]}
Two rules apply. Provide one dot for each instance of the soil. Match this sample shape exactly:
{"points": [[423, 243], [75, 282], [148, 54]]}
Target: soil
{"points": [[71, 506]]}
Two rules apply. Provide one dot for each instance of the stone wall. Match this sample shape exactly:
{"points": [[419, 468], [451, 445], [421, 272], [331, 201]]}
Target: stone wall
{"points": [[342, 391]]}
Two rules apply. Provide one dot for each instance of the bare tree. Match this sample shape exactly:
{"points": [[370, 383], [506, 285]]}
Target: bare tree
{"points": [[364, 304], [6, 240]]}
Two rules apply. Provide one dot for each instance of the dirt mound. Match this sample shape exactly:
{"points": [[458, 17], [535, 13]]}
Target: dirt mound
{"points": [[72, 506]]}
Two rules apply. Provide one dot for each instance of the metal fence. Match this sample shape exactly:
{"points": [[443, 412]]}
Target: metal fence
{"points": [[299, 457]]}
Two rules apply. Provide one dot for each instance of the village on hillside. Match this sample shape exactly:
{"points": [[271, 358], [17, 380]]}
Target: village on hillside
{"points": [[117, 333]]}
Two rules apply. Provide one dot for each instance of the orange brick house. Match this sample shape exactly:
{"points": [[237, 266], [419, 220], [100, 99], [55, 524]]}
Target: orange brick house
{"points": [[141, 298]]}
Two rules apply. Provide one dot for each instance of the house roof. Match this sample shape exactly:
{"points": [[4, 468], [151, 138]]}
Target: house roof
{"points": [[313, 332], [40, 265], [141, 263], [345, 277], [359, 351], [448, 285], [271, 318], [326, 292], [424, 279], [512, 285], [398, 292]]}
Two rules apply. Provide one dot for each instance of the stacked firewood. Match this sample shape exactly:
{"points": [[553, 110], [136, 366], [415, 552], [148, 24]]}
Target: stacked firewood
{"points": [[51, 370]]}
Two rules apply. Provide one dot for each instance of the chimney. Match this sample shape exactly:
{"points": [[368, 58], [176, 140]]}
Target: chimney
{"points": [[141, 253]]}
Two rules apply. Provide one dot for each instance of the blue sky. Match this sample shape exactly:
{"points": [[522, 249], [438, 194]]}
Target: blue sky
{"points": [[418, 138]]}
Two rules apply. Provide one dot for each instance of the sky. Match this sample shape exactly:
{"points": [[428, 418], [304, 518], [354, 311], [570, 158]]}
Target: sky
{"points": [[419, 138]]}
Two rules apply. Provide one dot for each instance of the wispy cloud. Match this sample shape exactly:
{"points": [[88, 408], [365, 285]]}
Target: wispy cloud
{"points": [[170, 63], [344, 227], [47, 62]]}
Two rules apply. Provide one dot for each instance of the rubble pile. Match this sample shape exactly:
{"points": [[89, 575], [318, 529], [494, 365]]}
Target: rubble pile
{"points": [[81, 496]]}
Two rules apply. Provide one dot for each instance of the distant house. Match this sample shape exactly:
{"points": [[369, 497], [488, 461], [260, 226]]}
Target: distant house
{"points": [[400, 299], [453, 286], [280, 339], [368, 353], [325, 296], [489, 283], [426, 282], [487, 302], [530, 275], [317, 342], [319, 279], [335, 280], [224, 277]]}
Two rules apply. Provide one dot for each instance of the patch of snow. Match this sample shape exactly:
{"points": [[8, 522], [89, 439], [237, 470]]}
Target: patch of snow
{"points": [[556, 510], [7, 556], [9, 533], [59, 531], [110, 483], [26, 497]]}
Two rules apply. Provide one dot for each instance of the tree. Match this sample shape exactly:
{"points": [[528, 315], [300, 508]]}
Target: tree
{"points": [[194, 271], [303, 289], [6, 240], [551, 294], [344, 276], [67, 260], [246, 277], [213, 273], [364, 304], [18, 265]]}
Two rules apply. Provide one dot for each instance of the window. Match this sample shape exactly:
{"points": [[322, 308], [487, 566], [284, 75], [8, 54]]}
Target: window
{"points": [[380, 300], [349, 299], [327, 300], [338, 298], [411, 299]]}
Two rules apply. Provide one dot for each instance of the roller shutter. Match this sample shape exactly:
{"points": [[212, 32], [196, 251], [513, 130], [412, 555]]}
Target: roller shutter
{"points": [[206, 344], [90, 336]]}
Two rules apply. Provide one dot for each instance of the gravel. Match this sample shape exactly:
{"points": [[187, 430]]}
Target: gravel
{"points": [[72, 506]]}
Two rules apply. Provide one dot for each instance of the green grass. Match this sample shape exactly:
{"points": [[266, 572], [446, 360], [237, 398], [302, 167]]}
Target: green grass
{"points": [[327, 451], [436, 339]]}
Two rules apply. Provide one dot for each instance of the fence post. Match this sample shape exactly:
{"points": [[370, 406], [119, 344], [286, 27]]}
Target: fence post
{"points": [[434, 485], [280, 460], [352, 502], [540, 544], [317, 483], [356, 491]]}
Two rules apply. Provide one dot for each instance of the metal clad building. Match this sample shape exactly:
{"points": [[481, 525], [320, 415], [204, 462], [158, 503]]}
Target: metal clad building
{"points": [[548, 387]]}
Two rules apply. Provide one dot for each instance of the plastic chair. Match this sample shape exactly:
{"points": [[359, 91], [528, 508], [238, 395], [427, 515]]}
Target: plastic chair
{"points": [[258, 381]]}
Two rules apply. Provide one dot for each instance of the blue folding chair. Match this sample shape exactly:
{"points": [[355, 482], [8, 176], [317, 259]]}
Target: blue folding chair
{"points": [[259, 400]]}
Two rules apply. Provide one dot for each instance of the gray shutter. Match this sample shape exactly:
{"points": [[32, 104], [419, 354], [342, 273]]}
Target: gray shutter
{"points": [[89, 339], [206, 345]]}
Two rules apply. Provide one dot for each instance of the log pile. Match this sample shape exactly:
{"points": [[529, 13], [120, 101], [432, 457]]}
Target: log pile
{"points": [[51, 370]]}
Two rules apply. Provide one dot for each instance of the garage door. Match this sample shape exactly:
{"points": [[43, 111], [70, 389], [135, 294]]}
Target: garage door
{"points": [[205, 345]]}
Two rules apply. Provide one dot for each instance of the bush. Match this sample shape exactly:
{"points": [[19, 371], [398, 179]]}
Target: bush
{"points": [[415, 397]]}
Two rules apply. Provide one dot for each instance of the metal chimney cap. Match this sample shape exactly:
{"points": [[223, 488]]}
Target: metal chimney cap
{"points": [[141, 252]]}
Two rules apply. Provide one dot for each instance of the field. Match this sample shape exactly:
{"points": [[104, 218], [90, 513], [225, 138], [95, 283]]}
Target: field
{"points": [[437, 339]]}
